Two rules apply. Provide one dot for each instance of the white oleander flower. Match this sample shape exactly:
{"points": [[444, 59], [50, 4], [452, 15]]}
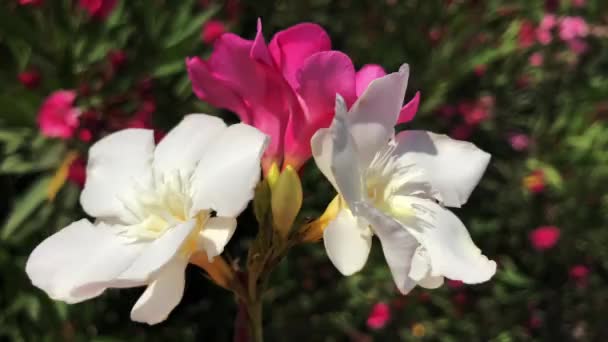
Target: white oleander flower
{"points": [[154, 206], [396, 187]]}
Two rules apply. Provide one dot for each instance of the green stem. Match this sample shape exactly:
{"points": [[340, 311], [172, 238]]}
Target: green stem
{"points": [[254, 310]]}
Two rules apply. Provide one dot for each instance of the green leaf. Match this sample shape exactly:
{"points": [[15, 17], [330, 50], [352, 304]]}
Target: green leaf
{"points": [[194, 26], [25, 206]]}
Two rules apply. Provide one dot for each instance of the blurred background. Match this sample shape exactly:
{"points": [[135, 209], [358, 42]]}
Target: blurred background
{"points": [[525, 80]]}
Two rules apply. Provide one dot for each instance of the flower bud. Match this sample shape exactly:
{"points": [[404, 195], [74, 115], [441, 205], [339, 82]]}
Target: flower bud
{"points": [[286, 199]]}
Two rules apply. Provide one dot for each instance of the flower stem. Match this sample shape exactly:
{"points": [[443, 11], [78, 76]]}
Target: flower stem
{"points": [[254, 310]]}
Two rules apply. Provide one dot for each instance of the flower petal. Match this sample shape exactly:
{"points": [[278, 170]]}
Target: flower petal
{"points": [[182, 148], [453, 167], [322, 149], [322, 76], [366, 74], [398, 245], [210, 88], [373, 117], [117, 164], [408, 111], [156, 255], [347, 243], [78, 256], [162, 295], [290, 48], [421, 269], [344, 159], [216, 234], [226, 175], [450, 249]]}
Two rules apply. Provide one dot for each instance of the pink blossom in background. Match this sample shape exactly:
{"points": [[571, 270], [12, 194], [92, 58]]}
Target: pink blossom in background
{"points": [[527, 34], [286, 88], [461, 132], [379, 316], [29, 78], [85, 135], [535, 182], [543, 32], [579, 273], [212, 30], [454, 284], [99, 9], [118, 58], [77, 172], [57, 116], [475, 112], [31, 2], [545, 237], [536, 59], [519, 141], [480, 70], [578, 46], [573, 27], [578, 3]]}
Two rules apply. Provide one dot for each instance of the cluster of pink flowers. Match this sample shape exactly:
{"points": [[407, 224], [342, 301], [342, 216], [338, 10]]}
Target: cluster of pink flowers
{"points": [[471, 113], [571, 30]]}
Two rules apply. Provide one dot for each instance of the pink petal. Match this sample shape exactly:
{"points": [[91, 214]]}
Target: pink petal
{"points": [[366, 74], [291, 47], [408, 111], [323, 75], [259, 49], [213, 90]]}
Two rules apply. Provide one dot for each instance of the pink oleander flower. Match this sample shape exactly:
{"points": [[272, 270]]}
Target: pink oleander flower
{"points": [[475, 112], [379, 316], [99, 9], [286, 88], [57, 116], [454, 284], [212, 30], [526, 36], [519, 141], [543, 32], [536, 59], [571, 28], [545, 237], [578, 46], [29, 78]]}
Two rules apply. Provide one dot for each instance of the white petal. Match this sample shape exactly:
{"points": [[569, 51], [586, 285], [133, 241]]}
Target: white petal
{"points": [[77, 262], [453, 167], [184, 145], [117, 164], [229, 170], [216, 234], [347, 243], [398, 245], [421, 269], [322, 149], [162, 295], [431, 282], [450, 249], [344, 159], [373, 117], [157, 254]]}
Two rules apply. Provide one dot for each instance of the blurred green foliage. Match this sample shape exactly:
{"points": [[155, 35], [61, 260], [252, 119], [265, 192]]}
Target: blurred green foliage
{"points": [[459, 52]]}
